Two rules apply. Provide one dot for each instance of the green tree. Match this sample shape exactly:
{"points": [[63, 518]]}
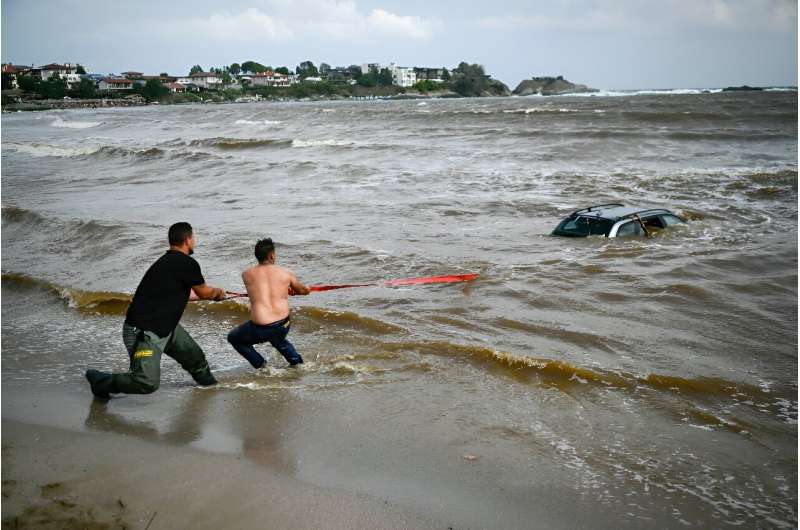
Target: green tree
{"points": [[385, 77], [154, 90], [80, 70], [426, 85], [469, 79], [195, 69], [282, 70], [8, 81], [235, 69], [53, 88], [253, 67], [85, 89], [226, 78], [370, 79], [445, 74], [164, 74], [306, 69], [28, 83]]}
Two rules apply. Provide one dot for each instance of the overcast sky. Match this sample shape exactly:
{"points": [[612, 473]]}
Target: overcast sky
{"points": [[602, 43]]}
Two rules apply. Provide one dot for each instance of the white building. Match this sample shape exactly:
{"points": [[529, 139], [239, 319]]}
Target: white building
{"points": [[115, 83], [402, 75], [63, 70], [270, 78], [366, 67], [207, 80]]}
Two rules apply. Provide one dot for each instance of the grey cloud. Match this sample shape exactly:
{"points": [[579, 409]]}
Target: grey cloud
{"points": [[604, 43]]}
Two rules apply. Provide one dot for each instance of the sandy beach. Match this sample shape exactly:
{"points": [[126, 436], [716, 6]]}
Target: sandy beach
{"points": [[120, 474], [576, 383], [53, 478]]}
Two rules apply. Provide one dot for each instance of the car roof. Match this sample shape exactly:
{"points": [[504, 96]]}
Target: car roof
{"points": [[614, 212]]}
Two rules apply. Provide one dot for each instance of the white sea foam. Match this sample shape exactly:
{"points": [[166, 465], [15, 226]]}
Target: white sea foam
{"points": [[649, 92], [263, 124], [58, 122], [533, 110], [61, 151], [328, 142]]}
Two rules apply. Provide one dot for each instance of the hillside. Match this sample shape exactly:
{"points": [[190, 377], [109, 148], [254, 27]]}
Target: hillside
{"points": [[549, 86]]}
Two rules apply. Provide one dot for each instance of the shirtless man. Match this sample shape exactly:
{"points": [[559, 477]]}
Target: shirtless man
{"points": [[268, 287]]}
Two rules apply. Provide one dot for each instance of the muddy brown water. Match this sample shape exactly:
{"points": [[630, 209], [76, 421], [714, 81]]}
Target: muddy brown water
{"points": [[649, 379]]}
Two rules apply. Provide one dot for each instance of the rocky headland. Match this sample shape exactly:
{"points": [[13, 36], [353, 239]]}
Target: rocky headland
{"points": [[549, 86], [743, 88]]}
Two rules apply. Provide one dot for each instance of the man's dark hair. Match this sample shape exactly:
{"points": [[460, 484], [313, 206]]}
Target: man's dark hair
{"points": [[179, 233], [263, 248]]}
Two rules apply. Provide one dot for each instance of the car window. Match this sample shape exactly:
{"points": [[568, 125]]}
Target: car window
{"points": [[631, 228], [671, 220], [584, 226], [653, 222]]}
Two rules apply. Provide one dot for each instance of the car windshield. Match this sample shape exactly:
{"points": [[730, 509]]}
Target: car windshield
{"points": [[583, 226]]}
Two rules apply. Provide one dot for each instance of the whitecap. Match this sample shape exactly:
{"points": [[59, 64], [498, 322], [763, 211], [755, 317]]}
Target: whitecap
{"points": [[329, 142], [58, 122], [259, 123], [61, 151]]}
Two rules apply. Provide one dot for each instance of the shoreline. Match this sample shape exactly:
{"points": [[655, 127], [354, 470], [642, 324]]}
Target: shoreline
{"points": [[281, 461], [76, 104], [65, 479], [32, 105]]}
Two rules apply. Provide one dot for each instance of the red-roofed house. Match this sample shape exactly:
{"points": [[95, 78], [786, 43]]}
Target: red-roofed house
{"points": [[62, 70], [115, 83], [269, 78], [175, 88], [10, 72]]}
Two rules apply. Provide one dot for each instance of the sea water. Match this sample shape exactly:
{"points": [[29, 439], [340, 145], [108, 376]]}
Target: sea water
{"points": [[653, 381]]}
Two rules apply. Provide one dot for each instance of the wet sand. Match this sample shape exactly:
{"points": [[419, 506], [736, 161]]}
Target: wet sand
{"points": [[54, 478], [76, 462], [578, 383]]}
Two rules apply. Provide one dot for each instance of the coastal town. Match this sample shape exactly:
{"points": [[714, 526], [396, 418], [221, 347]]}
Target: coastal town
{"points": [[64, 85]]}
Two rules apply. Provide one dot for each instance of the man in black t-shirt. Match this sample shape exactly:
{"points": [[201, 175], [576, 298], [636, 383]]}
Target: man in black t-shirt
{"points": [[151, 324]]}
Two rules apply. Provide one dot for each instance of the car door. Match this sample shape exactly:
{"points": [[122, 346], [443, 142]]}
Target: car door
{"points": [[671, 220], [630, 228]]}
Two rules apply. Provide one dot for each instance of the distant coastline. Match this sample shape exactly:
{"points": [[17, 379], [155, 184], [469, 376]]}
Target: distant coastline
{"points": [[14, 101]]}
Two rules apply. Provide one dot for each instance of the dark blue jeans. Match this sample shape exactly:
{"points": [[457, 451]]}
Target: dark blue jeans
{"points": [[243, 337]]}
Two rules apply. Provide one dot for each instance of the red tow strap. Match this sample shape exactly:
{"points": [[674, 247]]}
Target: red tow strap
{"points": [[451, 278]]}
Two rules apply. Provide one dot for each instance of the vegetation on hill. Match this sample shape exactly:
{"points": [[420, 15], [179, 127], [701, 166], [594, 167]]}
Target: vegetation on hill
{"points": [[549, 86]]}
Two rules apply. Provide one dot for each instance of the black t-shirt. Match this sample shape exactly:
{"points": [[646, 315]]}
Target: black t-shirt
{"points": [[163, 293]]}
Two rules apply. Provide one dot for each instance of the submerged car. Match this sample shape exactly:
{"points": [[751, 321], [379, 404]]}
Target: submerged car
{"points": [[616, 220]]}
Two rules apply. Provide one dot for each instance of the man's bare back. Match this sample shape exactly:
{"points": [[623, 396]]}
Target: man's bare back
{"points": [[268, 286]]}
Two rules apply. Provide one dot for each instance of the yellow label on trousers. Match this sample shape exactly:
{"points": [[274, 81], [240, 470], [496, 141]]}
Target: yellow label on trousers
{"points": [[143, 353]]}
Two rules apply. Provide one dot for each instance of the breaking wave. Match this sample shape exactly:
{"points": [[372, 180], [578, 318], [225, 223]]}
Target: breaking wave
{"points": [[42, 150], [557, 373], [116, 303], [263, 124], [78, 151], [534, 110], [237, 143], [567, 376], [58, 122], [102, 302], [330, 142]]}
